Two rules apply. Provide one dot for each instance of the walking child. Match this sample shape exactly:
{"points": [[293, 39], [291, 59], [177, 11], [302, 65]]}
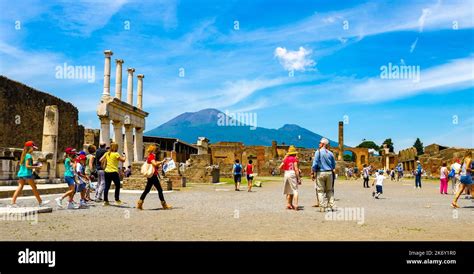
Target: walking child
{"points": [[82, 178], [378, 181], [69, 179], [25, 174]]}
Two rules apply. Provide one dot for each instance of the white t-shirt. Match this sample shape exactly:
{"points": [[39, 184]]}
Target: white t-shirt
{"points": [[457, 167], [442, 174], [379, 179]]}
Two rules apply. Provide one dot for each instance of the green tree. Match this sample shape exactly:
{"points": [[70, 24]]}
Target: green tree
{"points": [[369, 144], [389, 144], [419, 146], [347, 157]]}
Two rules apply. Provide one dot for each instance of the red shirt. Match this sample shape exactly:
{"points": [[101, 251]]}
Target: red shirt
{"points": [[249, 169], [288, 163], [150, 158]]}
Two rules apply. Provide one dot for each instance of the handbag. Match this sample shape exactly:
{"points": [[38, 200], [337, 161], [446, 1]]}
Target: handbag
{"points": [[452, 173], [147, 170], [103, 160]]}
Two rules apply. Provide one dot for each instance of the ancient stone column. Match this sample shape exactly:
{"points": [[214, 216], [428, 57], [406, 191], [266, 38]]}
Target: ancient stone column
{"points": [[107, 54], [130, 86], [128, 145], [118, 135], [118, 78], [341, 141], [105, 130], [140, 91], [138, 144], [50, 136]]}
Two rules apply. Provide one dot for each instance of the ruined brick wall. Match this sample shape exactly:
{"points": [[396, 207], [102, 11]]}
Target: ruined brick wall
{"points": [[22, 116]]}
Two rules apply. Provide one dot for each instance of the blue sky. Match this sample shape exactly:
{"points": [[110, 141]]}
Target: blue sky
{"points": [[310, 63]]}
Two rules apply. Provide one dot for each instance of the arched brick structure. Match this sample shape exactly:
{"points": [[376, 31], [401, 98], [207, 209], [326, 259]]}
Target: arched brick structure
{"points": [[362, 154]]}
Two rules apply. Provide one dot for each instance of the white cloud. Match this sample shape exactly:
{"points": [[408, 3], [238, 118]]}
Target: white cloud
{"points": [[421, 20], [413, 45], [295, 60]]}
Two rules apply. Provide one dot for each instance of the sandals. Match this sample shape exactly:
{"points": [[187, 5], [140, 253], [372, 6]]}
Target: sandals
{"points": [[289, 207]]}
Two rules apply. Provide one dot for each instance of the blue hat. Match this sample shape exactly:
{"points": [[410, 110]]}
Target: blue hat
{"points": [[82, 152]]}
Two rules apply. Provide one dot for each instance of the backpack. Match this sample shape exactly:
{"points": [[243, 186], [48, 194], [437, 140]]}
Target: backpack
{"points": [[103, 161], [237, 168], [452, 173]]}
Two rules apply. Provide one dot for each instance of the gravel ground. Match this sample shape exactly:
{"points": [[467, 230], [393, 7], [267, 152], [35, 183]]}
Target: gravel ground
{"points": [[217, 212]]}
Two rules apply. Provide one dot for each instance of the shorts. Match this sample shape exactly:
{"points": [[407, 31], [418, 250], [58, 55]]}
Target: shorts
{"points": [[237, 178], [69, 181], [249, 177], [26, 177], [379, 189], [466, 180], [80, 187]]}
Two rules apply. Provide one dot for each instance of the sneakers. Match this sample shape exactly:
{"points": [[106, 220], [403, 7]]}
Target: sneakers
{"points": [[71, 205], [43, 203], [165, 205], [82, 204], [98, 200], [106, 203], [59, 201], [118, 202]]}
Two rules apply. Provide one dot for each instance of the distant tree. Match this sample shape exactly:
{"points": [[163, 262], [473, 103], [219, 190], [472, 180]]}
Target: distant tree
{"points": [[389, 144], [347, 157], [419, 146], [369, 144]]}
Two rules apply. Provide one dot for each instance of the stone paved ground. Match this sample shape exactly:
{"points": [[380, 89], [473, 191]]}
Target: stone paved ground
{"points": [[216, 212]]}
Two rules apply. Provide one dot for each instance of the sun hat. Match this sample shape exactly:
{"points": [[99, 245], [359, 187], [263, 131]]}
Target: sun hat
{"points": [[70, 150], [292, 150], [31, 144]]}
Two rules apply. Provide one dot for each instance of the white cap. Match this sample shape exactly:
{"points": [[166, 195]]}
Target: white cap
{"points": [[324, 141]]}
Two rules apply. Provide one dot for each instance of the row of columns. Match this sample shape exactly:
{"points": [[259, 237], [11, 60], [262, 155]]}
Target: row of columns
{"points": [[133, 147]]}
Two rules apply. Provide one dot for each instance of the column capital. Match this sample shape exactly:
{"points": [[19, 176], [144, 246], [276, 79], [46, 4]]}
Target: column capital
{"points": [[140, 76], [119, 61], [104, 119], [108, 53], [117, 122], [131, 70]]}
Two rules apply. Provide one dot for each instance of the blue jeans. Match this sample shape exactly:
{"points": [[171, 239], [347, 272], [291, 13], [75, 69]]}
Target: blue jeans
{"points": [[418, 181]]}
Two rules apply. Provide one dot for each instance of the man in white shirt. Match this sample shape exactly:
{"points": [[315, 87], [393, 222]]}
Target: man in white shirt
{"points": [[455, 180]]}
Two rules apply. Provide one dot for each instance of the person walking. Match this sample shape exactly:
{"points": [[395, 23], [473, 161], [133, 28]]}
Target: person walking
{"points": [[291, 178], [249, 172], [237, 172], [25, 174], [153, 180], [365, 176], [323, 169], [99, 192], [111, 160], [443, 177], [418, 173], [69, 179], [378, 181], [465, 179], [456, 167], [90, 169]]}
